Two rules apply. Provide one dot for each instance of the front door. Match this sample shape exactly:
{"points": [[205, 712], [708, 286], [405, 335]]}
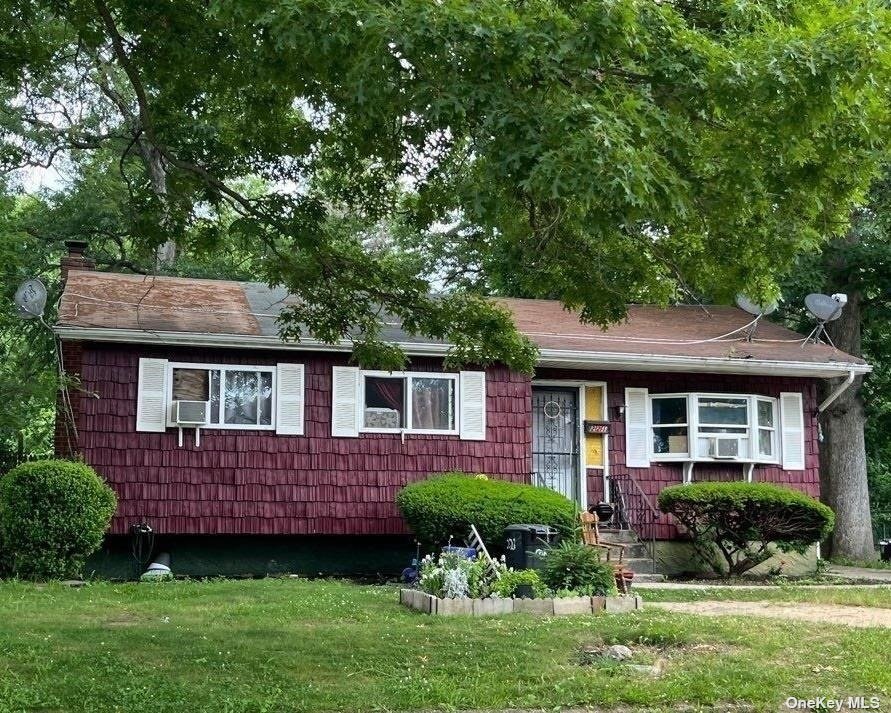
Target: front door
{"points": [[555, 439]]}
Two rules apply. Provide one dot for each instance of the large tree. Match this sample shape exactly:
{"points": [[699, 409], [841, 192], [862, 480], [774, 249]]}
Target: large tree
{"points": [[857, 263], [598, 149]]}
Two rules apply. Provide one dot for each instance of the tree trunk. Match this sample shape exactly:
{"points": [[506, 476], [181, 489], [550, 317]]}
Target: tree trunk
{"points": [[843, 451], [154, 161]]}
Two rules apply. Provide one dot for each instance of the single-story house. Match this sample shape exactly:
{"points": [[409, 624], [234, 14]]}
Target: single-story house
{"points": [[227, 440]]}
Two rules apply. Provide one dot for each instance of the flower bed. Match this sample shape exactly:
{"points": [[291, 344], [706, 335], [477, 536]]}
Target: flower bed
{"points": [[492, 606]]}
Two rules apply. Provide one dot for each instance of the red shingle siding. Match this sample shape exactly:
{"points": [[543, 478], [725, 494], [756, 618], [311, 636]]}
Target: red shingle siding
{"points": [[257, 482], [658, 476]]}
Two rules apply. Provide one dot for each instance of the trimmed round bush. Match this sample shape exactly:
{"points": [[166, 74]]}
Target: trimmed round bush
{"points": [[53, 515], [744, 522], [447, 505]]}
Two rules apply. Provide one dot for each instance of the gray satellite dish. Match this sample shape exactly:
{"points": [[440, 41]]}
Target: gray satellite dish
{"points": [[30, 299], [823, 307], [754, 308]]}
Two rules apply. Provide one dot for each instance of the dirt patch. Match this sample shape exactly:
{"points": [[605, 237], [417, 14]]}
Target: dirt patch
{"points": [[819, 613]]}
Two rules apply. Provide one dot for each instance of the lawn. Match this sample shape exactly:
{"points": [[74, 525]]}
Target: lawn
{"points": [[864, 596], [294, 645]]}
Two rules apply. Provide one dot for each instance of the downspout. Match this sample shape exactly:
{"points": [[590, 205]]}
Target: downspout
{"points": [[838, 391]]}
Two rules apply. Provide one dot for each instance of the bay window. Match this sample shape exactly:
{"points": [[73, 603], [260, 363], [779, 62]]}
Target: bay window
{"points": [[406, 401], [693, 427]]}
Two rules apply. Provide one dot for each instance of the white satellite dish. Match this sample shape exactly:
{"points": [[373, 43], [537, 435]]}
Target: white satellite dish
{"points": [[824, 308], [30, 299], [754, 308]]}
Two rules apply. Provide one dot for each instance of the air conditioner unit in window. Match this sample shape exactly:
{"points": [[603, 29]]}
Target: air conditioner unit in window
{"points": [[190, 413], [724, 447]]}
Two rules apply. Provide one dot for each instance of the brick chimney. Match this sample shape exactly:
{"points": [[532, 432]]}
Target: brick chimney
{"points": [[75, 259]]}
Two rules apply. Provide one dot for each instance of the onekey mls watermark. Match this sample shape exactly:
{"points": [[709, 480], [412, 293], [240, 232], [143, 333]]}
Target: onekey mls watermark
{"points": [[828, 703]]}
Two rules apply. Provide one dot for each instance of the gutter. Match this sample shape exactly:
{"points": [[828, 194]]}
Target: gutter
{"points": [[557, 358], [838, 391]]}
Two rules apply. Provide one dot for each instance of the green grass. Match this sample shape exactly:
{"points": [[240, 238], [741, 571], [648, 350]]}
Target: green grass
{"points": [[864, 596], [866, 564], [293, 645]]}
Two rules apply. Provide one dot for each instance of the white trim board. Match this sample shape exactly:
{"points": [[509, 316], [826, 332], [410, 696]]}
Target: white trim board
{"points": [[558, 358]]}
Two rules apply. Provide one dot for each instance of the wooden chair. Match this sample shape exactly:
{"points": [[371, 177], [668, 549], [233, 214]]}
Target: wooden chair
{"points": [[615, 551]]}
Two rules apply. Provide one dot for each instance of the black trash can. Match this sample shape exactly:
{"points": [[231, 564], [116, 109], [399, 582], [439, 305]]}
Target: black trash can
{"points": [[886, 550], [521, 542]]}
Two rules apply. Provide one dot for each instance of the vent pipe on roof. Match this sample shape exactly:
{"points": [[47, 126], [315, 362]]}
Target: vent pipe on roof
{"points": [[75, 258]]}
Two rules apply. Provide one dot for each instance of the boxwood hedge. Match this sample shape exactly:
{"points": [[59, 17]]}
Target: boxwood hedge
{"points": [[446, 505], [53, 515], [744, 522]]}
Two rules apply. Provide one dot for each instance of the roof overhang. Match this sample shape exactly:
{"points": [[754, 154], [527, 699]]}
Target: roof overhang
{"points": [[553, 358]]}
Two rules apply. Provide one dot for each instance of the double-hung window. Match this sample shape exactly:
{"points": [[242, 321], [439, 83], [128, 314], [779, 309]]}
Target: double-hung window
{"points": [[237, 396], [409, 401]]}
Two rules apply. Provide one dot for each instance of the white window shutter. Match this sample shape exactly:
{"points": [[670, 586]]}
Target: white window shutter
{"points": [[637, 428], [289, 399], [345, 401], [473, 405], [792, 420], [151, 398]]}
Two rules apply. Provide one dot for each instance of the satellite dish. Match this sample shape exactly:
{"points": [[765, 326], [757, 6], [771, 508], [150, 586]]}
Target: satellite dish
{"points": [[823, 307], [754, 308], [30, 299]]}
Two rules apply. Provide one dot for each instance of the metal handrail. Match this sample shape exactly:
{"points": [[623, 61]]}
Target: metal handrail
{"points": [[639, 514]]}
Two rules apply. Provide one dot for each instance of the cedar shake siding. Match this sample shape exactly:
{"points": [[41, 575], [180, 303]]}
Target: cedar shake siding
{"points": [[245, 482], [661, 475]]}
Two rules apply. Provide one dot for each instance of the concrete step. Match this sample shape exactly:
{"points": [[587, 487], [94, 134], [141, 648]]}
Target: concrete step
{"points": [[642, 566], [647, 577], [623, 536]]}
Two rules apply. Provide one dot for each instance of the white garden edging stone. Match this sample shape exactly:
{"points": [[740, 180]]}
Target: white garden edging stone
{"points": [[494, 606]]}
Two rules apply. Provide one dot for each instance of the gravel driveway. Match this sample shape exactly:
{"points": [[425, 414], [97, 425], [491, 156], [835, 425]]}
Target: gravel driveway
{"points": [[820, 613]]}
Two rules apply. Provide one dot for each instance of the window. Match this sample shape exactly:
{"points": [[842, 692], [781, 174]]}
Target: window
{"points": [[767, 430], [238, 396], [727, 416], [713, 427], [422, 403], [670, 429]]}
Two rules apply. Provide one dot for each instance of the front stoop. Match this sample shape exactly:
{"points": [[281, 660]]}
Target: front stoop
{"points": [[495, 606]]}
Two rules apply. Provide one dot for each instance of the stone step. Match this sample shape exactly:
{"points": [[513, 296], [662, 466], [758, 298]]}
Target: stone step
{"points": [[647, 577]]}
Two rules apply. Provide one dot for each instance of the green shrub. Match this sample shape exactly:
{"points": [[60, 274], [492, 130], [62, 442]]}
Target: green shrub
{"points": [[512, 578], [447, 505], [53, 515], [744, 522], [574, 566]]}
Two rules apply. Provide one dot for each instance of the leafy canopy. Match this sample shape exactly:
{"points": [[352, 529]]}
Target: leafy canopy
{"points": [[594, 151]]}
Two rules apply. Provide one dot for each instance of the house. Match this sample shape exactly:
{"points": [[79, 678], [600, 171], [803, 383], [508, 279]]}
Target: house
{"points": [[247, 452]]}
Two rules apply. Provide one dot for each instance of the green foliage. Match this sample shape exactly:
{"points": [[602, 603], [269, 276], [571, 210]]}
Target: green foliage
{"points": [[453, 575], [642, 138], [53, 515], [513, 578], [445, 506], [744, 521], [574, 566]]}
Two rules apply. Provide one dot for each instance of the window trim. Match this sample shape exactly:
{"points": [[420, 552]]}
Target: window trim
{"points": [[222, 368], [408, 376], [693, 425]]}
